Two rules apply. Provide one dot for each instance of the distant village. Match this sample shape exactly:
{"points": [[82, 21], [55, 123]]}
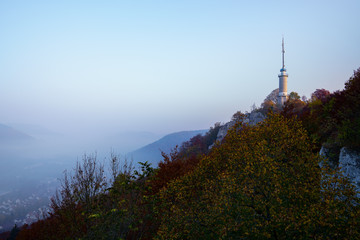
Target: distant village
{"points": [[25, 209]]}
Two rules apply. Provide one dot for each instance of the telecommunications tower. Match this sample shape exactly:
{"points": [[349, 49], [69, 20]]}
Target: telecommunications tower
{"points": [[282, 80]]}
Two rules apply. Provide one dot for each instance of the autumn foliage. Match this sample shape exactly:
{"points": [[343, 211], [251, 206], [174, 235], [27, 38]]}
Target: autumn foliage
{"points": [[260, 182], [263, 182], [331, 119]]}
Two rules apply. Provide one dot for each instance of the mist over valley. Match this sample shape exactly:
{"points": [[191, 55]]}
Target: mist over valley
{"points": [[33, 159]]}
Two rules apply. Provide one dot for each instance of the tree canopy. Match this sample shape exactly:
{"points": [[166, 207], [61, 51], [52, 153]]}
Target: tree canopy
{"points": [[262, 182]]}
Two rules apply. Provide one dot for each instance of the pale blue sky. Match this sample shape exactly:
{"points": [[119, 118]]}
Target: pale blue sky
{"points": [[165, 66]]}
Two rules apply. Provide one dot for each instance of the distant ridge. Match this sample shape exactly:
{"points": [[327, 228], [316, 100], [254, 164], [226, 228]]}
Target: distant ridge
{"points": [[152, 152], [9, 135]]}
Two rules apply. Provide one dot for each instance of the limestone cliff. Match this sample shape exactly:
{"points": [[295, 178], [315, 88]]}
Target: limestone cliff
{"points": [[250, 118], [349, 163]]}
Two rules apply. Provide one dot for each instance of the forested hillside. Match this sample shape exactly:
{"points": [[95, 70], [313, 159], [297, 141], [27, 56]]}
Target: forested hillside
{"points": [[259, 182]]}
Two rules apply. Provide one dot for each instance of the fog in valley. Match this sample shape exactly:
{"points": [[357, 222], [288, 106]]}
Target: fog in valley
{"points": [[31, 153], [33, 159]]}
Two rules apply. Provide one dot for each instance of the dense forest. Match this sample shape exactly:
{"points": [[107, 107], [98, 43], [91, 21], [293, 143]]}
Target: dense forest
{"points": [[259, 182]]}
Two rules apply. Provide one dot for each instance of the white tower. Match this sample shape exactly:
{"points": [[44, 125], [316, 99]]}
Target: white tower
{"points": [[282, 80]]}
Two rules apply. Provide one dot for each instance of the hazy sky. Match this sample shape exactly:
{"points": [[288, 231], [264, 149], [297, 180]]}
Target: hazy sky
{"points": [[165, 66]]}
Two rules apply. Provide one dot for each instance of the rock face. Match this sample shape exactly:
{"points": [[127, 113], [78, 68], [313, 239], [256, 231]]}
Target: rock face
{"points": [[349, 162], [250, 118], [254, 117], [223, 130]]}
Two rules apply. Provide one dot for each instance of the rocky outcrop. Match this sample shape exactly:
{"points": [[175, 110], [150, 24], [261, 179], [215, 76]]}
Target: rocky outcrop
{"points": [[349, 163], [254, 117], [223, 130], [251, 118]]}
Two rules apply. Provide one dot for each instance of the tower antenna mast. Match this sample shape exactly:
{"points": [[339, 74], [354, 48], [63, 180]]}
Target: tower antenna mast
{"points": [[283, 53]]}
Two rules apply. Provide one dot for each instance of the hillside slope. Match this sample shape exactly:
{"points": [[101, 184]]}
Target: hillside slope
{"points": [[152, 152]]}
